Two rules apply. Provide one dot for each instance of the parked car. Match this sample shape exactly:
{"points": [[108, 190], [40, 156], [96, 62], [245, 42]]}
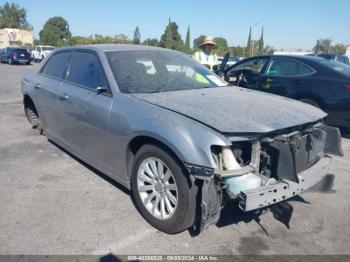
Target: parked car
{"points": [[41, 51], [231, 61], [14, 55], [336, 57], [319, 82], [175, 134]]}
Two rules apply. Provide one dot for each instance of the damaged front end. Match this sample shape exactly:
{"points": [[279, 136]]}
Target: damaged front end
{"points": [[261, 170]]}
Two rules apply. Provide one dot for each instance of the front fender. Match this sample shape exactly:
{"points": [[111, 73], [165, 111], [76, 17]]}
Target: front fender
{"points": [[190, 140]]}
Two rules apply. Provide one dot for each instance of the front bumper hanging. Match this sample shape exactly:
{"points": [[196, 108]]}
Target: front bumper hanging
{"points": [[270, 194]]}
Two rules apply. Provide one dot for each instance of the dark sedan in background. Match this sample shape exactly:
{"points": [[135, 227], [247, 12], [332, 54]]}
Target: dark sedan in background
{"points": [[314, 80], [13, 55], [336, 57]]}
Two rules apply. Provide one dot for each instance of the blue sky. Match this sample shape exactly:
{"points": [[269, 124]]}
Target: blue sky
{"points": [[289, 24]]}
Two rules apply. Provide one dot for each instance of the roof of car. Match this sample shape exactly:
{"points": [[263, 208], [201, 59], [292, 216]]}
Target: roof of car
{"points": [[117, 47], [298, 57]]}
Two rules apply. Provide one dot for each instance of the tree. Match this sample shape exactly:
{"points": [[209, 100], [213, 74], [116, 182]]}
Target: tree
{"points": [[12, 16], [188, 41], [171, 38], [222, 46], [55, 32], [197, 41], [168, 36], [248, 51], [151, 42], [238, 50], [121, 39], [261, 43], [322, 46], [338, 49], [268, 50], [36, 42], [254, 47], [80, 40], [137, 36]]}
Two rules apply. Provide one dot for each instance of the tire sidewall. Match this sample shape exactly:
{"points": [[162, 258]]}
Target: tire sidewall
{"points": [[184, 214], [29, 114]]}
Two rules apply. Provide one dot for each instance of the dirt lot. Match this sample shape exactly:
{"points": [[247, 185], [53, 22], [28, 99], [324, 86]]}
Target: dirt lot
{"points": [[50, 203]]}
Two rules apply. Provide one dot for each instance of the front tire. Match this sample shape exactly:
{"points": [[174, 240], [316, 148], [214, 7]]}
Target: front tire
{"points": [[162, 191], [32, 117]]}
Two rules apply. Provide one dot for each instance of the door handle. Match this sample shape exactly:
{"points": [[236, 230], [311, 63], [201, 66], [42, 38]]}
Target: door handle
{"points": [[64, 97], [37, 86]]}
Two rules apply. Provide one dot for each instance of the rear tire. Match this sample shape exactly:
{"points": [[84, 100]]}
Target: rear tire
{"points": [[169, 217]]}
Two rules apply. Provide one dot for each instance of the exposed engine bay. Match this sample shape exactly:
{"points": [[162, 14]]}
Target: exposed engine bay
{"points": [[261, 170]]}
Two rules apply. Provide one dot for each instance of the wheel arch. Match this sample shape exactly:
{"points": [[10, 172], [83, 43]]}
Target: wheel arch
{"points": [[315, 98], [138, 141], [29, 102]]}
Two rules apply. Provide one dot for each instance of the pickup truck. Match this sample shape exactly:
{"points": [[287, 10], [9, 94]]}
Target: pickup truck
{"points": [[40, 52]]}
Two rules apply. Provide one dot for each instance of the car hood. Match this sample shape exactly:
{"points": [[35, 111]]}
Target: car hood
{"points": [[236, 110]]}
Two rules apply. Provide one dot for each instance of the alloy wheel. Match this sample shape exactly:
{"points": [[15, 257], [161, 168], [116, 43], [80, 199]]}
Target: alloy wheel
{"points": [[157, 188]]}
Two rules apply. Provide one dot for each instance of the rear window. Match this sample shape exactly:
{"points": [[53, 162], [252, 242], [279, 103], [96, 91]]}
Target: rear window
{"points": [[342, 68], [21, 51]]}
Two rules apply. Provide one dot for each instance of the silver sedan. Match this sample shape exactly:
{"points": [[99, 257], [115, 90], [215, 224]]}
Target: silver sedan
{"points": [[175, 134]]}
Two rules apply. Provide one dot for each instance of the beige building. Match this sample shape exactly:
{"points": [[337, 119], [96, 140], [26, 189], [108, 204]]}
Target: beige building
{"points": [[15, 37]]}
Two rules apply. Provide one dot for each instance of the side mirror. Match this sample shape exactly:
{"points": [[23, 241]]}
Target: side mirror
{"points": [[101, 89]]}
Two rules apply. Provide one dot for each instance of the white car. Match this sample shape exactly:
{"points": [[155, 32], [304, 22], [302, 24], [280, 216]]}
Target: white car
{"points": [[41, 51]]}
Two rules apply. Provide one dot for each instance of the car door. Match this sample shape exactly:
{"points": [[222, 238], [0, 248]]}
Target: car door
{"points": [[285, 76], [247, 73], [84, 103], [47, 86]]}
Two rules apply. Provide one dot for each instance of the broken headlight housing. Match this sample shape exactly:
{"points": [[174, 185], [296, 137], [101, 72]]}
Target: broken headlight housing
{"points": [[233, 157]]}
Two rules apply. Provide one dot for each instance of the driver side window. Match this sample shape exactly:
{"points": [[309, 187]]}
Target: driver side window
{"points": [[254, 65]]}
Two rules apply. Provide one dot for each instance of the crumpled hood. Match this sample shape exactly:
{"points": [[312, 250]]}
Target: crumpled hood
{"points": [[236, 110]]}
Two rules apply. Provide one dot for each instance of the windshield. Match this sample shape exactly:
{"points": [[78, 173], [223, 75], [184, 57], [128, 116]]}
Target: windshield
{"points": [[48, 48], [337, 66], [146, 71]]}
